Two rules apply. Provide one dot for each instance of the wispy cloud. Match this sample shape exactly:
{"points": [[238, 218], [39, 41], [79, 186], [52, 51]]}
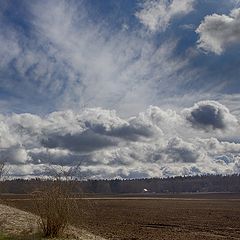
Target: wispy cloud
{"points": [[75, 63], [156, 15]]}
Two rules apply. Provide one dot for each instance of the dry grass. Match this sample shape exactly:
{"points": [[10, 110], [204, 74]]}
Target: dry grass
{"points": [[17, 222], [20, 225]]}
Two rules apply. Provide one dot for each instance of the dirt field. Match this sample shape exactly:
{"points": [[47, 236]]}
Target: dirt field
{"points": [[166, 218]]}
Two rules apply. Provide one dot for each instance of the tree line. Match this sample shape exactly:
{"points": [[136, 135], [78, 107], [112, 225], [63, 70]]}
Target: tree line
{"points": [[181, 184]]}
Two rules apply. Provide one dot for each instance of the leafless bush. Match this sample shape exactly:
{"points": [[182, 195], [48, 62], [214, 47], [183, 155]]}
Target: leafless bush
{"points": [[3, 170], [3, 173], [53, 204]]}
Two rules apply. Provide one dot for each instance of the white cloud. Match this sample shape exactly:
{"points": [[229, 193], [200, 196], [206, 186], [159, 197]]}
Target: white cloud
{"points": [[217, 32], [156, 15], [14, 155], [178, 150], [155, 143]]}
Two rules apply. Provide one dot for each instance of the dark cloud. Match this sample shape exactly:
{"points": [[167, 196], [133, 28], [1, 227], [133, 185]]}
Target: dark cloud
{"points": [[86, 141], [210, 115], [59, 157], [207, 115], [131, 131], [98, 136]]}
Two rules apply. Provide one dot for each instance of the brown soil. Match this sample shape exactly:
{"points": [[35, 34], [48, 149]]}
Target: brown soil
{"points": [[155, 219]]}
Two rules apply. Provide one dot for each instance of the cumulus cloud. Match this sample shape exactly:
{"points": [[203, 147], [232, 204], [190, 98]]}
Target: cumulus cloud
{"points": [[209, 115], [14, 155], [179, 151], [154, 143], [217, 32], [93, 129], [157, 14]]}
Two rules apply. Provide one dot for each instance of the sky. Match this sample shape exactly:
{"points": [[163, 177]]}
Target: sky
{"points": [[120, 89]]}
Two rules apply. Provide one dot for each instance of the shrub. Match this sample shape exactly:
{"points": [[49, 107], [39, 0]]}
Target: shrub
{"points": [[52, 205]]}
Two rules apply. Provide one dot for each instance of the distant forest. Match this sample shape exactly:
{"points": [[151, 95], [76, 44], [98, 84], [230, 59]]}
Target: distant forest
{"points": [[206, 183]]}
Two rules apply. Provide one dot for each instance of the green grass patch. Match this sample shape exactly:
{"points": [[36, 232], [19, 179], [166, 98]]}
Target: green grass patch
{"points": [[31, 237], [5, 237]]}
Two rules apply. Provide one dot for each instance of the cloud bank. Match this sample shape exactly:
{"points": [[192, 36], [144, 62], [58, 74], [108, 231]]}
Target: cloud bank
{"points": [[154, 143]]}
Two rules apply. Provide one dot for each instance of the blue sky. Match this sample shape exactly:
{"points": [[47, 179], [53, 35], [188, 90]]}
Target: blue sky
{"points": [[119, 57], [32, 37]]}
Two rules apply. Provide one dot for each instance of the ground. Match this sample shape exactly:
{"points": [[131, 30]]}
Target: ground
{"points": [[16, 224], [181, 217]]}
